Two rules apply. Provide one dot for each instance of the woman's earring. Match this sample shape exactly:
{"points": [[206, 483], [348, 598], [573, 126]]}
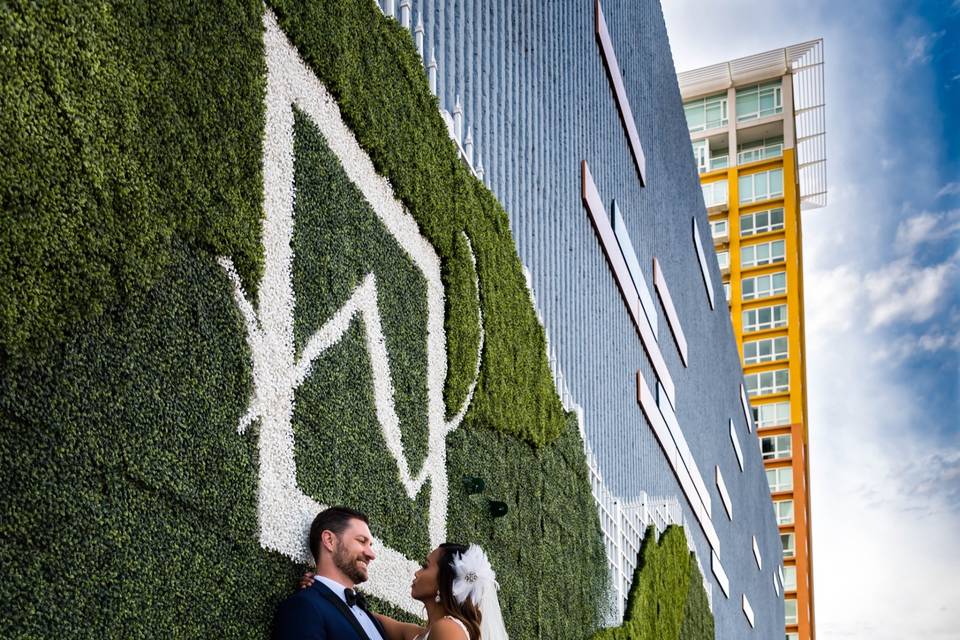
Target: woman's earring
{"points": [[436, 598]]}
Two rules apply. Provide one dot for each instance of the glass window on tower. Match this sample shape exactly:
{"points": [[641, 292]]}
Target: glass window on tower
{"points": [[780, 479], [723, 259], [760, 150], [790, 611], [759, 101], [761, 222], [776, 447], [714, 193], [773, 414], [790, 578], [784, 511], [761, 186], [765, 318], [706, 113], [765, 350], [767, 382], [789, 542], [718, 229]]}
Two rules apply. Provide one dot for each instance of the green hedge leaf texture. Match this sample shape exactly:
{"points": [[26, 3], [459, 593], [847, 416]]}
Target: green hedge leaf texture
{"points": [[123, 126], [667, 600]]}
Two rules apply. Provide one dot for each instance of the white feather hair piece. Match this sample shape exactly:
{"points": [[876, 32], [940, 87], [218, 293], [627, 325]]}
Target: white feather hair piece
{"points": [[475, 579], [474, 576]]}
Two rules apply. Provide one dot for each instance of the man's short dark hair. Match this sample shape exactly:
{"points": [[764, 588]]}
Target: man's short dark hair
{"points": [[334, 519]]}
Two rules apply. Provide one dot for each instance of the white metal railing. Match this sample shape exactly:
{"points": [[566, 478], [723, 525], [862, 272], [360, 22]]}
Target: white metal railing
{"points": [[455, 120]]}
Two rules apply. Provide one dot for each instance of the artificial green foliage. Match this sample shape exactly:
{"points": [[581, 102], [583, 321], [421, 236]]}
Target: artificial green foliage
{"points": [[550, 535], [667, 600], [133, 134], [463, 336], [335, 421], [123, 126], [129, 503], [367, 62]]}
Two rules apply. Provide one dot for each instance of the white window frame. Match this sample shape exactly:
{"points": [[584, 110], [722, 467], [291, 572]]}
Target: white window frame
{"points": [[760, 150], [715, 193], [783, 509], [771, 414], [704, 103], [782, 447], [753, 229], [763, 180], [723, 259], [719, 229], [789, 578], [791, 551], [780, 479], [761, 253], [768, 89], [764, 286], [764, 383], [765, 350], [726, 291], [701, 153], [787, 617], [750, 325]]}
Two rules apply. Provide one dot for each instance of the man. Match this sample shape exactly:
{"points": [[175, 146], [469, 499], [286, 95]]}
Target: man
{"points": [[330, 609]]}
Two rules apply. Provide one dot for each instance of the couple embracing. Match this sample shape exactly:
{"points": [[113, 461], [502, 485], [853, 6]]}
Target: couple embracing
{"points": [[455, 583]]}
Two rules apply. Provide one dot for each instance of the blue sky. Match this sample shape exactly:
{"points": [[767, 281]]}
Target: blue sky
{"points": [[882, 279]]}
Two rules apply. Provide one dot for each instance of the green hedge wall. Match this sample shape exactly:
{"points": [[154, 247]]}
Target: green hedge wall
{"points": [[667, 600], [125, 127], [134, 133]]}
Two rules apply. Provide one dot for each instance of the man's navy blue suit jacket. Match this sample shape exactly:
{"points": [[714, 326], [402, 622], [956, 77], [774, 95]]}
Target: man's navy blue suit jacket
{"points": [[317, 613]]}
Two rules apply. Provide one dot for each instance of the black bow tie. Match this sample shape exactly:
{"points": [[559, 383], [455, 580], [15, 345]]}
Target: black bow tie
{"points": [[355, 598]]}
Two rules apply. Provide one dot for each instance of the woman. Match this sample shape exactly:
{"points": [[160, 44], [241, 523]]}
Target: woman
{"points": [[458, 588]]}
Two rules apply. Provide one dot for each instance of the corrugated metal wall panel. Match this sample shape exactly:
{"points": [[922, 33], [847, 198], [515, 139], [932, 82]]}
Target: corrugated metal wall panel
{"points": [[534, 90]]}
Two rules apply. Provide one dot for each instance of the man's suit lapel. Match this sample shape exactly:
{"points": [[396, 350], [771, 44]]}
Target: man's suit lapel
{"points": [[342, 607], [376, 623]]}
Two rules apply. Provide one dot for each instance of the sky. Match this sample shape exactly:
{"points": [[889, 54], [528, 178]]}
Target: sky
{"points": [[882, 286]]}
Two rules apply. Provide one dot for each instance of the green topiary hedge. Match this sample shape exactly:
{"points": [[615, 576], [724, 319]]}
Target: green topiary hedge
{"points": [[130, 499], [667, 600]]}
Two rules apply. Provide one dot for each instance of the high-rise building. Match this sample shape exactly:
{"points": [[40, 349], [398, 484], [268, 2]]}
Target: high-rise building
{"points": [[758, 132]]}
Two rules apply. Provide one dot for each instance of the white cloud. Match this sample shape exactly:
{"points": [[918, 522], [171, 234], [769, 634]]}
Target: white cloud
{"points": [[905, 292], [928, 226], [919, 48], [905, 347], [884, 537], [833, 300], [951, 188], [845, 298]]}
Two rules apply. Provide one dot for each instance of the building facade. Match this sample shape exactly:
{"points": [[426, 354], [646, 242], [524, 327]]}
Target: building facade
{"points": [[536, 101], [757, 128]]}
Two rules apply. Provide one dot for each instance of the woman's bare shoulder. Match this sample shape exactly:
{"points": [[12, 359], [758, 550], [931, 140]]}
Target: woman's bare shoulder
{"points": [[448, 629]]}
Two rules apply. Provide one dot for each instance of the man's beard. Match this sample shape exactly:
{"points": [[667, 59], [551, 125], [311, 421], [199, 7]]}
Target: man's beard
{"points": [[348, 564]]}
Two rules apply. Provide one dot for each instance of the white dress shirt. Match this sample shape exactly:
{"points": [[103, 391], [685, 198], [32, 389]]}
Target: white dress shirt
{"points": [[362, 617]]}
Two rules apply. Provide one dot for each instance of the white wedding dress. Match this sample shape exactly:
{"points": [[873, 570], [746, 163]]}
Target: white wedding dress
{"points": [[466, 634]]}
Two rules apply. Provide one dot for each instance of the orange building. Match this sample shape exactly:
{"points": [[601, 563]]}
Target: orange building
{"points": [[757, 127]]}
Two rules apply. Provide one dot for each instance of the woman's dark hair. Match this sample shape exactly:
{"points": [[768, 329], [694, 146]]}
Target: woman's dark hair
{"points": [[468, 613]]}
